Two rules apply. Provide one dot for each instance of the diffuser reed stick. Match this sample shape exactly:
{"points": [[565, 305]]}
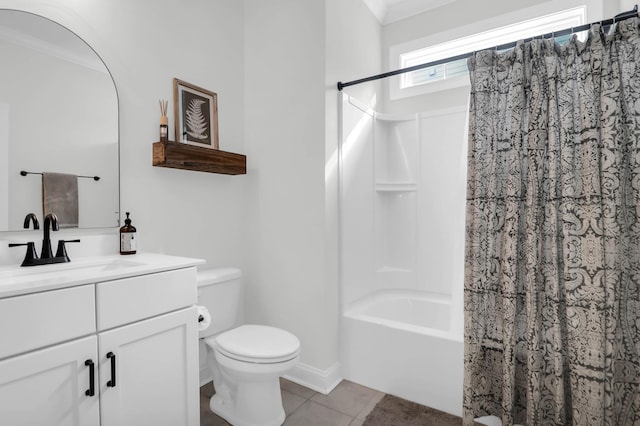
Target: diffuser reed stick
{"points": [[164, 104]]}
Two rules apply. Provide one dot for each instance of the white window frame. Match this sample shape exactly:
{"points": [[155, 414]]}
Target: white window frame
{"points": [[514, 27]]}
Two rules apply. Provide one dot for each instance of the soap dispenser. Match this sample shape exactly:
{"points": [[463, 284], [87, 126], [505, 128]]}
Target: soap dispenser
{"points": [[128, 240]]}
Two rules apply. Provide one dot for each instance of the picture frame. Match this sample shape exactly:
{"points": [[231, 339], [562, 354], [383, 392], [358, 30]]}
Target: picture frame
{"points": [[196, 115]]}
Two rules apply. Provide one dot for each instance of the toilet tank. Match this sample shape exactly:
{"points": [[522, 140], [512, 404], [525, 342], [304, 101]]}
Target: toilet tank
{"points": [[220, 291]]}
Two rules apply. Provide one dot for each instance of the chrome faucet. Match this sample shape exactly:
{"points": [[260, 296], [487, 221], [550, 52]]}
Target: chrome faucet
{"points": [[50, 222]]}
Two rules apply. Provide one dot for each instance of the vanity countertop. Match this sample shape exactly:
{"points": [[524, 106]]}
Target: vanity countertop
{"points": [[16, 280]]}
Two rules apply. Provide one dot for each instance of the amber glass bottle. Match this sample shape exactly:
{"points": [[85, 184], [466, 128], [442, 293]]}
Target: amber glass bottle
{"points": [[164, 128], [128, 238]]}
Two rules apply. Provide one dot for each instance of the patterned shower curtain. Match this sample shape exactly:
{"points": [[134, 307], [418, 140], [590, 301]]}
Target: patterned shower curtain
{"points": [[552, 268]]}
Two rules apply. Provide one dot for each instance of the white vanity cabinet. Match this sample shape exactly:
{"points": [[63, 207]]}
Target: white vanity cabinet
{"points": [[149, 368], [108, 353]]}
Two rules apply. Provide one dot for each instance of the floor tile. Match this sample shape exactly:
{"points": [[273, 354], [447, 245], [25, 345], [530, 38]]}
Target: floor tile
{"points": [[370, 405], [313, 414], [291, 401], [207, 390], [295, 388], [348, 398], [347, 405], [207, 417], [210, 419]]}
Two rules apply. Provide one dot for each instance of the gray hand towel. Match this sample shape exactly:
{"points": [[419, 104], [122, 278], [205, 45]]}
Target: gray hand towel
{"points": [[60, 196]]}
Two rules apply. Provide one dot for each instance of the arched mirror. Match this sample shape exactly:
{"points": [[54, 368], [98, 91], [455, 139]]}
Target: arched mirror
{"points": [[58, 114]]}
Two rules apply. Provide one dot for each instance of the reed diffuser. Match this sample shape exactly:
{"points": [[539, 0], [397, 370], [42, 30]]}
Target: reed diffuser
{"points": [[164, 121]]}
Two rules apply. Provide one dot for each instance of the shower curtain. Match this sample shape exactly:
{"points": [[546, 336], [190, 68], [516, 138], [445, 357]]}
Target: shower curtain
{"points": [[552, 263]]}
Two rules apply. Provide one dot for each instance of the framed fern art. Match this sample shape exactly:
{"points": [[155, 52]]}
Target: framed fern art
{"points": [[196, 115]]}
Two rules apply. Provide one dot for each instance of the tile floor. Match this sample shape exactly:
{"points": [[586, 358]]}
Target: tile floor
{"points": [[347, 405]]}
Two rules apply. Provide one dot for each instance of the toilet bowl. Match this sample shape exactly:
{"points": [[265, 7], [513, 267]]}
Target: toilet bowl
{"points": [[251, 359], [246, 361]]}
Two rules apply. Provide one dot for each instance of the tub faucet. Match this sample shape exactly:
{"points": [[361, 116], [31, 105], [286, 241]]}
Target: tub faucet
{"points": [[50, 222]]}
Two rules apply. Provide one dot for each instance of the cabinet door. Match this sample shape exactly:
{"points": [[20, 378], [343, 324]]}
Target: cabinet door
{"points": [[154, 364], [49, 386]]}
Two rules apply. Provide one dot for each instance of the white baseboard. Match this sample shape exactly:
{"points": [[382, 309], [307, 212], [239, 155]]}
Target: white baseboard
{"points": [[322, 381], [205, 375]]}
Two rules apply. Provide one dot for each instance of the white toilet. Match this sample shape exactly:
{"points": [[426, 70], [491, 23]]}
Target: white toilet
{"points": [[245, 361]]}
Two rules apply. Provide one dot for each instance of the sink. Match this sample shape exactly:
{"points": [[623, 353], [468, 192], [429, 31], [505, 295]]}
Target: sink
{"points": [[114, 265], [18, 280], [81, 266]]}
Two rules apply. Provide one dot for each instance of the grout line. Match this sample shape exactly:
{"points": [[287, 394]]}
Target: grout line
{"points": [[371, 404], [309, 401]]}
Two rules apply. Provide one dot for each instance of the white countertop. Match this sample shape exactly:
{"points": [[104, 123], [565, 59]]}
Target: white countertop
{"points": [[16, 280]]}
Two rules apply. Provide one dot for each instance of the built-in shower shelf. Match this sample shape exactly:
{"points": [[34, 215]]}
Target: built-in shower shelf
{"points": [[188, 157], [395, 187]]}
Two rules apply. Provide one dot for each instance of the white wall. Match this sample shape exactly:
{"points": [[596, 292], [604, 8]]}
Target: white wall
{"points": [[296, 50], [284, 78], [4, 163], [613, 7]]}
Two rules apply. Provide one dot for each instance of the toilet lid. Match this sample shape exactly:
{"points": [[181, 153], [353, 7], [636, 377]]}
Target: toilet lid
{"points": [[258, 344]]}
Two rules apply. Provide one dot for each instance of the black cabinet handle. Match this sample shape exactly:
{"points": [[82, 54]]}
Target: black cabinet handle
{"points": [[112, 383], [92, 378]]}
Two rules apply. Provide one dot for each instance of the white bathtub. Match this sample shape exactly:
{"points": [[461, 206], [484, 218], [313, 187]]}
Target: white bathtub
{"points": [[408, 344]]}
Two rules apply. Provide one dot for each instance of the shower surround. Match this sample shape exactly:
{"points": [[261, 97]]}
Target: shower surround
{"points": [[402, 207]]}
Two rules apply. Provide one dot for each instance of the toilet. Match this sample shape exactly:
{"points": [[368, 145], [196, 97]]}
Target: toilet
{"points": [[244, 361]]}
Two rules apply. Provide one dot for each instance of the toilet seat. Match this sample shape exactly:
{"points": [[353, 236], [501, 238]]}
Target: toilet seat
{"points": [[259, 344]]}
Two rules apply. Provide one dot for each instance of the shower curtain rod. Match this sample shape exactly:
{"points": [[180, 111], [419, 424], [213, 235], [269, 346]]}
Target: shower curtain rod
{"points": [[620, 17]]}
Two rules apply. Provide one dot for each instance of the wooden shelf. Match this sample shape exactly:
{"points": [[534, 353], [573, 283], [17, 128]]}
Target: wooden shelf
{"points": [[188, 157]]}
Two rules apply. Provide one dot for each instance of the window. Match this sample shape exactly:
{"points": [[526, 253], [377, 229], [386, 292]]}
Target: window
{"points": [[454, 73]]}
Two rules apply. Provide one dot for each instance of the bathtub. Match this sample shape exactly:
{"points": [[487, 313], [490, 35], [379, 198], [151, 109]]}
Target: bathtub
{"points": [[408, 344]]}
